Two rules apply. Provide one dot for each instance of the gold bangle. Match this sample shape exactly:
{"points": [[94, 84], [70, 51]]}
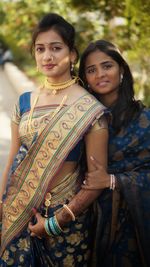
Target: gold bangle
{"points": [[69, 211], [1, 202]]}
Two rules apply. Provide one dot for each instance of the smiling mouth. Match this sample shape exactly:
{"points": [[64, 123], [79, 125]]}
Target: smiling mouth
{"points": [[101, 84], [49, 66]]}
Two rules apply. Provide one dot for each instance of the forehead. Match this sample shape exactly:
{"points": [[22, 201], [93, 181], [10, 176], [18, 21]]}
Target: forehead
{"points": [[97, 57], [50, 36]]}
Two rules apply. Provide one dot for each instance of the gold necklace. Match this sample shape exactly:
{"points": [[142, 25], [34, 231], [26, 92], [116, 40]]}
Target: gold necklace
{"points": [[55, 87]]}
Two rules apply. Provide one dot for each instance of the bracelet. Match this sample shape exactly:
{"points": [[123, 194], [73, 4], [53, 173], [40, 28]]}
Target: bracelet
{"points": [[1, 202], [57, 223], [69, 211], [112, 182], [46, 226], [52, 226]]}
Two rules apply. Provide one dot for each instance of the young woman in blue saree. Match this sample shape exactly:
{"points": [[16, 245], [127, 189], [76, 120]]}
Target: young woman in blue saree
{"points": [[123, 214], [46, 219]]}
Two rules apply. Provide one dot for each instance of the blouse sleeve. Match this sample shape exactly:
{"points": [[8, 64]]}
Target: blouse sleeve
{"points": [[16, 114], [99, 124]]}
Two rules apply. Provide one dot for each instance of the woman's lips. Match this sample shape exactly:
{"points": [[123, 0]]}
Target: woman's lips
{"points": [[102, 84], [49, 66]]}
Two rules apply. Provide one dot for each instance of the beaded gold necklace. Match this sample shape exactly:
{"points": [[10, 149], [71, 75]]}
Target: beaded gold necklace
{"points": [[55, 87]]}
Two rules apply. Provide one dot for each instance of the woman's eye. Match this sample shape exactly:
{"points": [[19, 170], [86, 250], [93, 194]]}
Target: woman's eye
{"points": [[92, 70], [108, 66], [39, 49], [56, 48]]}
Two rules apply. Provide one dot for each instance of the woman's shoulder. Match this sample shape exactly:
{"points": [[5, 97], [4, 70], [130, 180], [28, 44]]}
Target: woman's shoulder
{"points": [[82, 92], [145, 112], [143, 119], [25, 95], [24, 101]]}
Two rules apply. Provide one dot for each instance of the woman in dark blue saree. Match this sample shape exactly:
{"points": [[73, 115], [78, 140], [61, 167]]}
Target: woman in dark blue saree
{"points": [[123, 214]]}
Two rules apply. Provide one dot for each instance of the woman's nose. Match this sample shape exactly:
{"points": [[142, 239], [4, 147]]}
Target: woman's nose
{"points": [[48, 56], [100, 72]]}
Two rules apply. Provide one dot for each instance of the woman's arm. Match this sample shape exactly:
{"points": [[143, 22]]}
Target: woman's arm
{"points": [[15, 144], [96, 146]]}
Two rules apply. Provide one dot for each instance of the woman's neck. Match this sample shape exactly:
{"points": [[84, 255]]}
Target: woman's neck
{"points": [[108, 100], [59, 79]]}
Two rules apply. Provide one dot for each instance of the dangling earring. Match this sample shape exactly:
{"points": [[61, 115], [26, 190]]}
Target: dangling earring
{"points": [[37, 68], [89, 88], [121, 78], [72, 67]]}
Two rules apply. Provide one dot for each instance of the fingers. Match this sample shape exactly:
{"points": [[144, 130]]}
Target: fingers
{"points": [[38, 218], [32, 229], [36, 214], [33, 235], [30, 226], [95, 162], [87, 187], [34, 210]]}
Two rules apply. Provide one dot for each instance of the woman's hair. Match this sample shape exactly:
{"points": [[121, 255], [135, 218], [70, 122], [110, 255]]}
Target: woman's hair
{"points": [[61, 26], [126, 106]]}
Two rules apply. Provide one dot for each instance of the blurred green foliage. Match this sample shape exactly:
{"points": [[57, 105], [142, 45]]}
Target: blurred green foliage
{"points": [[125, 23]]}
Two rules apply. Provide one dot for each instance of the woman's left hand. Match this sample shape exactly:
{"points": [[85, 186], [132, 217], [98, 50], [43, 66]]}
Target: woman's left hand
{"points": [[37, 229], [97, 179]]}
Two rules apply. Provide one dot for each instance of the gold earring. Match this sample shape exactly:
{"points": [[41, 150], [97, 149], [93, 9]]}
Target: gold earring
{"points": [[89, 88], [72, 67], [37, 68], [121, 78]]}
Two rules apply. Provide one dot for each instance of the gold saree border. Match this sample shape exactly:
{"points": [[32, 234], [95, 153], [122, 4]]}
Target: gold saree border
{"points": [[32, 177]]}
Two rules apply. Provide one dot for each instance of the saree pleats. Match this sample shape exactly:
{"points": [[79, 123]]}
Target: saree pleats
{"points": [[70, 248]]}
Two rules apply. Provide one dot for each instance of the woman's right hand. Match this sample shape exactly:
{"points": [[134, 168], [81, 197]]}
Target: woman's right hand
{"points": [[97, 179], [38, 228]]}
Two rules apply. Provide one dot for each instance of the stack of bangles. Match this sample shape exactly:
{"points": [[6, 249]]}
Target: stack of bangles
{"points": [[52, 226], [112, 181]]}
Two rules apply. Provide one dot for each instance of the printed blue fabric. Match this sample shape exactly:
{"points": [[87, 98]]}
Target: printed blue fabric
{"points": [[124, 229]]}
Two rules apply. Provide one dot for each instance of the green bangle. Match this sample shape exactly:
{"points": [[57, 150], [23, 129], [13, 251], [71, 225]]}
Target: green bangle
{"points": [[53, 226], [47, 227]]}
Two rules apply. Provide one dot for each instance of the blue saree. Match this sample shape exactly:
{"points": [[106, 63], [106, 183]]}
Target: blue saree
{"points": [[123, 236], [34, 169]]}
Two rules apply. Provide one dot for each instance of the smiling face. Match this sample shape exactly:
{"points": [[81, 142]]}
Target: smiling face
{"points": [[103, 75], [53, 56]]}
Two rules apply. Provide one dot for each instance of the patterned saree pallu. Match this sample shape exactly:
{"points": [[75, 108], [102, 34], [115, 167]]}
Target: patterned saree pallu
{"points": [[34, 175]]}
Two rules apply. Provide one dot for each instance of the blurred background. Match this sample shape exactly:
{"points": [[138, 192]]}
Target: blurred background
{"points": [[126, 22]]}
